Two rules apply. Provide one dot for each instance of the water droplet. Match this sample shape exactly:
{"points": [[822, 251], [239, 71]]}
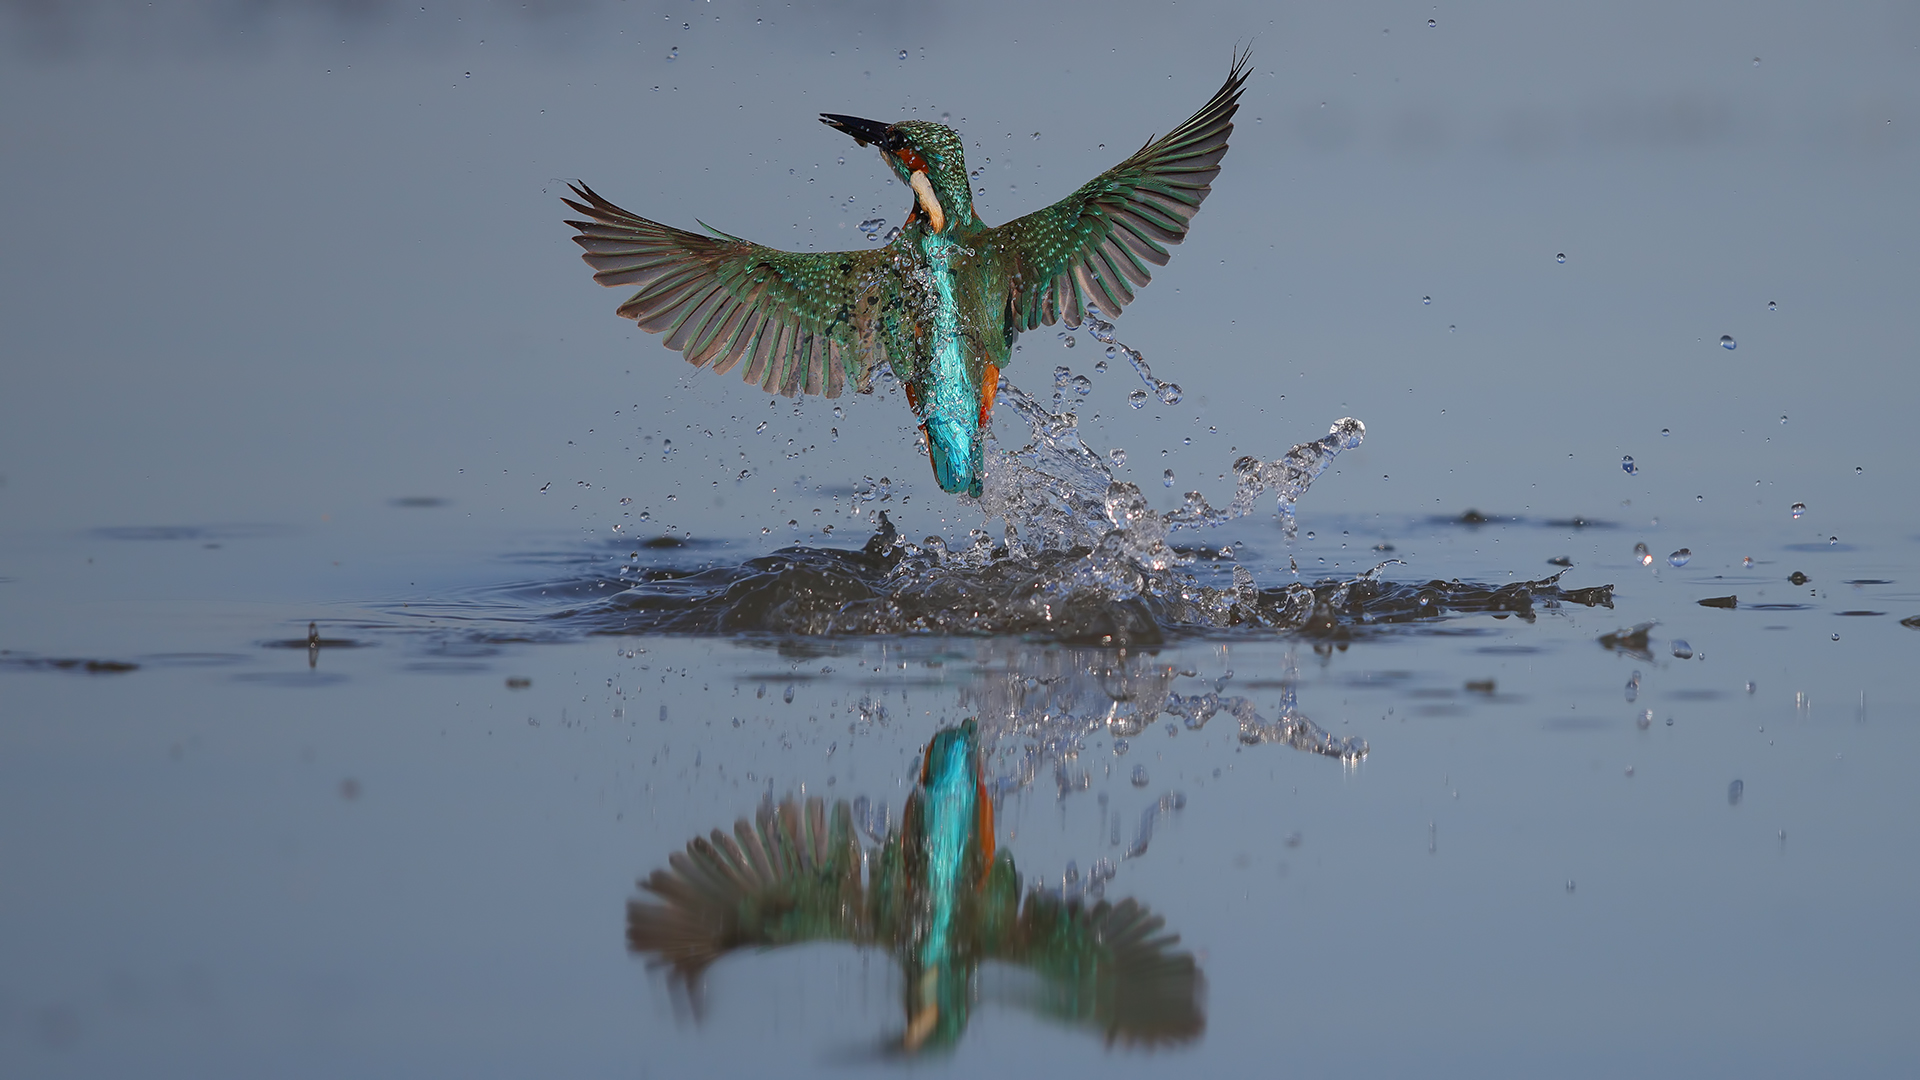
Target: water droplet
{"points": [[1734, 791], [1072, 341], [1426, 299], [1681, 557], [1627, 466], [1832, 541], [1167, 477], [1120, 747], [1139, 776], [1633, 687], [1783, 418], [1858, 471], [1727, 342], [1664, 432], [1682, 650], [1560, 258], [1170, 393], [1641, 553], [1836, 637], [1118, 456], [1137, 399], [1036, 134], [1431, 23], [787, 695], [839, 413], [1756, 61], [903, 54], [1771, 306], [673, 53], [1644, 720], [1747, 562], [1082, 385], [1669, 721], [1699, 498], [1798, 509], [1100, 367]]}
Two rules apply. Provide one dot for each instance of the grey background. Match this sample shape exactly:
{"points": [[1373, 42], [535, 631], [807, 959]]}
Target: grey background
{"points": [[279, 261]]}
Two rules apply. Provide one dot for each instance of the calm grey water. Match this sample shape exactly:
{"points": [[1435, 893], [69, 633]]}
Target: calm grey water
{"points": [[294, 334]]}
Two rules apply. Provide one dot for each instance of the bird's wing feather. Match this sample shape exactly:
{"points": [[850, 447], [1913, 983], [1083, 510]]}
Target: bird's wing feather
{"points": [[791, 875], [1094, 247], [797, 321], [1113, 966]]}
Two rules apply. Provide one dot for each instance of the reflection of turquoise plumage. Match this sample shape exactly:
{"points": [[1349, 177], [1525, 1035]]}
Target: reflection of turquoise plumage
{"points": [[941, 304], [937, 897]]}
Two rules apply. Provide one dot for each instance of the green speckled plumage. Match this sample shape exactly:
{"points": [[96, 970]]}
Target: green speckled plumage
{"points": [[942, 307], [935, 896]]}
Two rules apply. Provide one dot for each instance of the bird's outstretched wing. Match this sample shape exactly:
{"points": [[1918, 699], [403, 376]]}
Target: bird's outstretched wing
{"points": [[1112, 966], [1094, 246], [801, 321], [791, 875]]}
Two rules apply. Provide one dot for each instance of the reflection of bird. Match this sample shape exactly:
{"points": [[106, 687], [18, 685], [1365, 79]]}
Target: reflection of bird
{"points": [[936, 896], [941, 304]]}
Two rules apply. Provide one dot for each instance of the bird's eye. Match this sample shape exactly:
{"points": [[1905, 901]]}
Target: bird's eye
{"points": [[911, 159]]}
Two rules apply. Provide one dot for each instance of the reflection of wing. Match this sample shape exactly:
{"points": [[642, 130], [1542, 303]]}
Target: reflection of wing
{"points": [[801, 320], [1093, 246], [1109, 965], [793, 875]]}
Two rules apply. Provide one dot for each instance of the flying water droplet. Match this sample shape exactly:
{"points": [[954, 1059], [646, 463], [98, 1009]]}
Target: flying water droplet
{"points": [[1170, 393], [1167, 477], [1799, 509], [1633, 687], [673, 53], [1138, 399], [1644, 720], [1734, 791], [1682, 650], [1641, 553], [1560, 258], [1426, 300], [1082, 385], [1431, 23], [1727, 342], [1771, 306], [1833, 541], [1627, 466], [787, 695], [1681, 557], [1664, 432], [1139, 776], [903, 54], [1118, 456]]}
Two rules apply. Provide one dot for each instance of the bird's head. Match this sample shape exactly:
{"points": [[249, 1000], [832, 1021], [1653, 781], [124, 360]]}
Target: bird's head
{"points": [[927, 156]]}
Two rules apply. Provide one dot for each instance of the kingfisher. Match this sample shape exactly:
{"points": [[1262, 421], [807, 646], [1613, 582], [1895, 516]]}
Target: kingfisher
{"points": [[935, 894], [941, 303]]}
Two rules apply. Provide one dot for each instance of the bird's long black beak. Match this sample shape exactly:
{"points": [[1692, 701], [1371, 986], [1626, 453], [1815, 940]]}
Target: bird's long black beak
{"points": [[863, 131]]}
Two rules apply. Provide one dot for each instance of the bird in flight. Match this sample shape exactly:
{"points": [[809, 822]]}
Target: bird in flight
{"points": [[936, 895], [941, 304]]}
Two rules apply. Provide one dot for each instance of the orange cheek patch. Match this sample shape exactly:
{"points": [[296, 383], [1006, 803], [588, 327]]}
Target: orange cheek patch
{"points": [[911, 159], [983, 824]]}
